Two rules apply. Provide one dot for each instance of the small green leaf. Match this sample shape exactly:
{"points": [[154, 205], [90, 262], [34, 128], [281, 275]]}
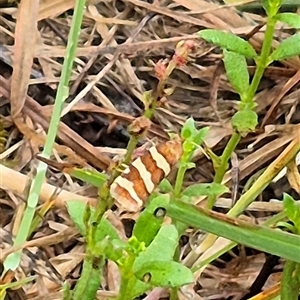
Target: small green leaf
{"points": [[205, 189], [139, 288], [228, 41], [150, 220], [237, 72], [287, 48], [12, 261], [188, 146], [200, 136], [165, 274], [165, 186], [162, 247], [244, 121], [190, 165], [111, 249], [287, 226], [77, 210], [290, 19], [292, 209], [90, 176], [187, 165], [188, 129], [135, 246], [271, 7]]}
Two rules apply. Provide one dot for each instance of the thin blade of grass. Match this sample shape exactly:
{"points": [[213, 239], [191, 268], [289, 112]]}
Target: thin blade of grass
{"points": [[13, 260]]}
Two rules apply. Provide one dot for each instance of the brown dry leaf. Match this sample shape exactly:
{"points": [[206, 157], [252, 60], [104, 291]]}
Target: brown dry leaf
{"points": [[179, 16], [25, 34], [113, 276], [91, 9], [219, 16], [234, 279], [17, 183], [53, 8], [272, 112], [293, 175]]}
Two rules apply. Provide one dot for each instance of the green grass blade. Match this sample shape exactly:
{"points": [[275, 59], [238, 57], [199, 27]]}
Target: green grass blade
{"points": [[13, 260], [273, 241]]}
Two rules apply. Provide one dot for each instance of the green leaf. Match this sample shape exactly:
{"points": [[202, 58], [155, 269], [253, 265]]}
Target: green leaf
{"points": [[229, 42], [90, 176], [237, 72], [288, 226], [162, 247], [150, 220], [205, 189], [200, 136], [111, 249], [292, 209], [91, 274], [76, 211], [274, 241], [190, 165], [271, 7], [165, 186], [139, 288], [287, 48], [189, 146], [165, 274], [244, 121], [290, 19], [188, 129]]}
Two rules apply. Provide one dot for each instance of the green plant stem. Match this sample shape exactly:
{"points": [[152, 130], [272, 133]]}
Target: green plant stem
{"points": [[222, 168], [90, 279], [179, 180], [105, 201], [13, 260], [174, 294], [66, 291], [131, 147], [262, 61], [290, 283], [247, 103], [127, 279]]}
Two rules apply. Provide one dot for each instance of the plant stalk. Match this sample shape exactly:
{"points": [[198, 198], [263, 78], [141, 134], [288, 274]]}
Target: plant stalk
{"points": [[222, 168]]}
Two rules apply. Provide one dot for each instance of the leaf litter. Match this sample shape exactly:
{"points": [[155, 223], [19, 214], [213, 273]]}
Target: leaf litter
{"points": [[120, 42]]}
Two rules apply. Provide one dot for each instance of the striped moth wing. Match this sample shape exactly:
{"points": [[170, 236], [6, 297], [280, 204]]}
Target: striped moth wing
{"points": [[132, 188]]}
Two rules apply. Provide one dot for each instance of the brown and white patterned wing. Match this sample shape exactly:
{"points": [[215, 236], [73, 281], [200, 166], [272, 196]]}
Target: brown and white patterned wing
{"points": [[131, 189]]}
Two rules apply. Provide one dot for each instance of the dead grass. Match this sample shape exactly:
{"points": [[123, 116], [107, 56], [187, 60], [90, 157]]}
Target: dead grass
{"points": [[120, 42]]}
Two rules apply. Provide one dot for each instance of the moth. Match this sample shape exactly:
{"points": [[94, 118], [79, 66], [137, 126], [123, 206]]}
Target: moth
{"points": [[132, 188]]}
